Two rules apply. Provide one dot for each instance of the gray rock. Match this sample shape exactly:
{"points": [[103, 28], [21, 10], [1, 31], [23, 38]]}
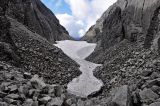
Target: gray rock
{"points": [[147, 95], [55, 102], [158, 100], [122, 96], [2, 94], [150, 83], [37, 82], [45, 99], [13, 96], [58, 90], [155, 88], [28, 102], [13, 88], [80, 103], [35, 103], [155, 104], [11, 101], [3, 104], [155, 75], [27, 75], [146, 72], [69, 102]]}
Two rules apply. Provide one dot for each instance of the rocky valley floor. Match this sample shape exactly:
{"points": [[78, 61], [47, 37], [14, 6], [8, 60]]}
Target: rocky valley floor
{"points": [[134, 81]]}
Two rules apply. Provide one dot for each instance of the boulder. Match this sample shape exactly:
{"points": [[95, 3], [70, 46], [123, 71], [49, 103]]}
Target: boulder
{"points": [[55, 102], [3, 104], [148, 95], [122, 96], [37, 82], [28, 102], [27, 75], [155, 104]]}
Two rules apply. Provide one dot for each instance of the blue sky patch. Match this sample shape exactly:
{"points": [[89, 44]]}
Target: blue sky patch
{"points": [[57, 6]]}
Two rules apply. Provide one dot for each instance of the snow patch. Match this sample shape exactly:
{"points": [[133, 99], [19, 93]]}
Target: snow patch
{"points": [[86, 83]]}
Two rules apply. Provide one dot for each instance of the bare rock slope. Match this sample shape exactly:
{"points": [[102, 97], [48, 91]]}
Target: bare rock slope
{"points": [[29, 49], [128, 41]]}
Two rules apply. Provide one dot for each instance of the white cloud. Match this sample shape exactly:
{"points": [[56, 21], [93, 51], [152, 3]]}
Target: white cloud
{"points": [[84, 15], [72, 24]]}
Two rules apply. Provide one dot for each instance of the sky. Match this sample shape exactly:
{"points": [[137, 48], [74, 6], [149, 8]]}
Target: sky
{"points": [[77, 16]]}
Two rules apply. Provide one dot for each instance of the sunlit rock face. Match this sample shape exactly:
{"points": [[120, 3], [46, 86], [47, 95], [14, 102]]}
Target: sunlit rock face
{"points": [[86, 83]]}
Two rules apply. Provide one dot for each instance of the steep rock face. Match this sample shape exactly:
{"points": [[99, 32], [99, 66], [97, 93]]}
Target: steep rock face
{"points": [[28, 50], [38, 18], [133, 20]]}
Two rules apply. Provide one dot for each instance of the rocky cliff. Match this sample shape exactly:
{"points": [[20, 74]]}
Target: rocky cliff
{"points": [[38, 18], [131, 20], [22, 44]]}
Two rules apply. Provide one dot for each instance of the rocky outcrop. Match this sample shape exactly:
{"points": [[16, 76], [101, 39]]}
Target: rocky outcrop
{"points": [[38, 18]]}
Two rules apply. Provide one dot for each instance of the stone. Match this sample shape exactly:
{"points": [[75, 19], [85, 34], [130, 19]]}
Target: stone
{"points": [[55, 102], [10, 101], [37, 82], [155, 88], [150, 83], [51, 89], [23, 90], [148, 94], [80, 103], [46, 90], [158, 100], [13, 88], [135, 96], [27, 75], [122, 96], [2, 94], [45, 99], [145, 73], [28, 102], [70, 101], [13, 96], [155, 104], [3, 104], [35, 103], [154, 75], [58, 90], [8, 75]]}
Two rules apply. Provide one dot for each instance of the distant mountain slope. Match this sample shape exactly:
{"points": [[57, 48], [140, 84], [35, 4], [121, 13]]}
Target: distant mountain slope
{"points": [[38, 18]]}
